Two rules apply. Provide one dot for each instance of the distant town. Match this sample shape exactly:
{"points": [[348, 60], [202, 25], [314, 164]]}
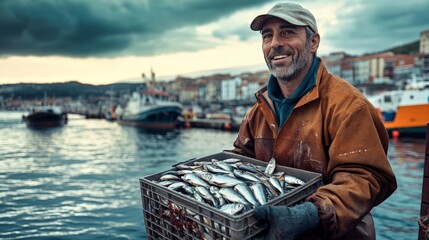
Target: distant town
{"points": [[369, 73]]}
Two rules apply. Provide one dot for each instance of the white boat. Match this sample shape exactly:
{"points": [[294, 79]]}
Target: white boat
{"points": [[404, 112], [153, 109]]}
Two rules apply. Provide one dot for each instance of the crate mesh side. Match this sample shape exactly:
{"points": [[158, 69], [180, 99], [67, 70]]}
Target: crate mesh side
{"points": [[164, 222]]}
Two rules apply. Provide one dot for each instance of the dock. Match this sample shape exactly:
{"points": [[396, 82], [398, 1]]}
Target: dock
{"points": [[424, 209], [217, 124]]}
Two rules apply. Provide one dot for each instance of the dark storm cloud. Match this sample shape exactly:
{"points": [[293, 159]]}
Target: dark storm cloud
{"points": [[372, 26], [83, 28]]}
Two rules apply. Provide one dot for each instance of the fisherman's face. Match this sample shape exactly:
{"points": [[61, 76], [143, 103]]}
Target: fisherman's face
{"points": [[286, 49]]}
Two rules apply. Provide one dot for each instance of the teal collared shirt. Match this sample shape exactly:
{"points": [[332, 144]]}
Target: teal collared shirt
{"points": [[283, 106]]}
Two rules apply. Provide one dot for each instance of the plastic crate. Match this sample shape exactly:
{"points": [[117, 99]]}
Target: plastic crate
{"points": [[176, 224]]}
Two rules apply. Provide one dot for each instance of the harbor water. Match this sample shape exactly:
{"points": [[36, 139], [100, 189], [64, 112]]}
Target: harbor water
{"points": [[81, 181]]}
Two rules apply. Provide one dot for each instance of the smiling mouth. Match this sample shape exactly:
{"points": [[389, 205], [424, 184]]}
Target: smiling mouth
{"points": [[280, 57]]}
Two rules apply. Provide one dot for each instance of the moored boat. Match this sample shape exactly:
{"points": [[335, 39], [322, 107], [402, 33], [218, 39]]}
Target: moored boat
{"points": [[153, 109], [404, 112], [45, 117]]}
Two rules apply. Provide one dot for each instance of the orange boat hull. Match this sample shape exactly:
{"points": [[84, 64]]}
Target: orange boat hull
{"points": [[410, 120]]}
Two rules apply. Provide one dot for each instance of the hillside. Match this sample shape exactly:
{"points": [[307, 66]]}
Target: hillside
{"points": [[71, 89], [412, 47]]}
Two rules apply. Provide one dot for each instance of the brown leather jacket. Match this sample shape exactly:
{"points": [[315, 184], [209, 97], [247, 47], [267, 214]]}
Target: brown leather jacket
{"points": [[335, 131]]}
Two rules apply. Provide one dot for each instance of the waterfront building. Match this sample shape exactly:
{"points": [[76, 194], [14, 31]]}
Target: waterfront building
{"points": [[230, 89], [424, 42]]}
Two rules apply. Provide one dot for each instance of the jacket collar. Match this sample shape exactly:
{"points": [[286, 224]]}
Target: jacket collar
{"points": [[262, 93]]}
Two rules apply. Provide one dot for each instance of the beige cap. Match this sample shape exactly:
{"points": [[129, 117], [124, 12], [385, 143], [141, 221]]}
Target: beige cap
{"points": [[290, 12]]}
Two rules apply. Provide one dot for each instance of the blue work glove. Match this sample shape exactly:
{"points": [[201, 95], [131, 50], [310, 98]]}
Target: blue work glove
{"points": [[288, 222]]}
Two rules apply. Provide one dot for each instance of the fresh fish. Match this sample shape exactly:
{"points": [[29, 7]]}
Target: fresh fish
{"points": [[232, 208], [193, 193], [205, 193], [177, 186], [281, 177], [247, 193], [271, 189], [233, 196], [245, 175], [276, 184], [225, 166], [215, 191], [248, 167], [189, 167], [231, 160], [219, 180], [192, 178], [169, 177], [184, 171], [259, 192], [166, 182], [293, 180], [271, 167], [202, 164], [215, 169]]}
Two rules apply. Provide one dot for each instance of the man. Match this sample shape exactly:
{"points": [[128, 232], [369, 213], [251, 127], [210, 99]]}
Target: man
{"points": [[309, 119]]}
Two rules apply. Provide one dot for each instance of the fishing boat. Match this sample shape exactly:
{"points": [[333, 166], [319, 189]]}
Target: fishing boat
{"points": [[404, 112], [45, 117], [150, 108], [153, 109]]}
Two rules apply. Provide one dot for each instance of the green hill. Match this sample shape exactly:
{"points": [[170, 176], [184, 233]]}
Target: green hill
{"points": [[412, 47], [71, 89]]}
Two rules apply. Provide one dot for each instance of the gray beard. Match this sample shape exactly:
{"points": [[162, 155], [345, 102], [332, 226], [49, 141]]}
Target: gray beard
{"points": [[298, 65]]}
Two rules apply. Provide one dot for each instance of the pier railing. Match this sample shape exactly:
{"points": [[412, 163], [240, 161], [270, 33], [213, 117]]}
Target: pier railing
{"points": [[424, 208]]}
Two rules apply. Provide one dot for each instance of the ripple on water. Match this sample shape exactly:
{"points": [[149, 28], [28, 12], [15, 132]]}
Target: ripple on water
{"points": [[80, 181]]}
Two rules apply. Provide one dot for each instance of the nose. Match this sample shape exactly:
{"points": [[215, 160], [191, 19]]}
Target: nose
{"points": [[276, 41]]}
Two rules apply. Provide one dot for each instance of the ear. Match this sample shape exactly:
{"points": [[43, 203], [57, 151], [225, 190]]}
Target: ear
{"points": [[314, 43]]}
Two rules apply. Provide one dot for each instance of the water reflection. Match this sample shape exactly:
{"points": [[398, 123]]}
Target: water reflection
{"points": [[80, 181], [396, 218]]}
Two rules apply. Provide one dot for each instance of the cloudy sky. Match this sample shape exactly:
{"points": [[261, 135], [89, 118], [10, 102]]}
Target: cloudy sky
{"points": [[106, 41]]}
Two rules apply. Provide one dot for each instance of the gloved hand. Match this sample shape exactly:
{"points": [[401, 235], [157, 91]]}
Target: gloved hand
{"points": [[288, 222]]}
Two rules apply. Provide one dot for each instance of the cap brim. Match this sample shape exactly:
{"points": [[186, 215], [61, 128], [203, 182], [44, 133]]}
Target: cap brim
{"points": [[259, 21]]}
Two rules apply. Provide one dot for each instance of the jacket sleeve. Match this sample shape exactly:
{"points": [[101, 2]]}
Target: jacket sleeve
{"points": [[244, 143], [360, 176]]}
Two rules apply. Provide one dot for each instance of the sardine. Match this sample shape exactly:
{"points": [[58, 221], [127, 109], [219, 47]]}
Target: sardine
{"points": [[215, 191], [169, 177], [219, 180], [184, 171], [193, 193], [177, 186], [233, 196], [281, 177], [225, 166], [276, 184], [232, 208], [189, 167], [259, 192], [166, 182], [245, 175], [231, 160], [215, 169], [271, 167], [293, 180], [192, 178], [247, 193], [248, 167], [205, 193], [272, 190]]}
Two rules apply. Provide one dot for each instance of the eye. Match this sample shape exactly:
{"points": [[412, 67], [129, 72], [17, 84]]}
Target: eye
{"points": [[266, 37], [286, 33]]}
